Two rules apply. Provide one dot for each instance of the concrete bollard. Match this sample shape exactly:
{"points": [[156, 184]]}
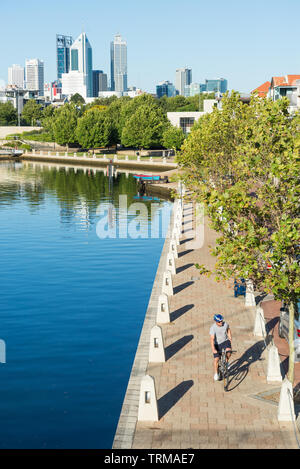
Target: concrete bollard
{"points": [[126, 158], [164, 160], [286, 407], [148, 410], [115, 157], [173, 248], [151, 159], [138, 158], [249, 297], [175, 237], [84, 155], [94, 155], [163, 311], [171, 263], [167, 286], [57, 154], [259, 325], [157, 348], [274, 373], [66, 153], [33, 151], [49, 153]]}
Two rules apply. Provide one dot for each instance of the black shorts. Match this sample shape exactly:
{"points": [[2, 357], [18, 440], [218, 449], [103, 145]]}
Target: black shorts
{"points": [[220, 347]]}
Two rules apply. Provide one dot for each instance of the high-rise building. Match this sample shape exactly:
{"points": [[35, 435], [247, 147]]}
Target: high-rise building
{"points": [[216, 85], [63, 44], [165, 88], [183, 78], [79, 79], [118, 64], [193, 89], [99, 82], [16, 76], [35, 75]]}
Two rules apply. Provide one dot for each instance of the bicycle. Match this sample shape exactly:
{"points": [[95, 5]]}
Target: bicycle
{"points": [[223, 368]]}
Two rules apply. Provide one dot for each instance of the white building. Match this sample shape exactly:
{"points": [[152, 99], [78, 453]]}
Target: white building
{"points": [[183, 78], [16, 76], [118, 64], [186, 120], [80, 76], [35, 75]]}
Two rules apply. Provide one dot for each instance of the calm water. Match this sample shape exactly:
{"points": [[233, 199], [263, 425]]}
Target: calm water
{"points": [[71, 305]]}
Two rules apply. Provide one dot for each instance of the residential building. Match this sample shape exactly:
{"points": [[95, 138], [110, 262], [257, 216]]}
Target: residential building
{"points": [[99, 82], [63, 45], [79, 79], [283, 86], [35, 75], [118, 64], [216, 85], [16, 76], [165, 88], [182, 79], [186, 120]]}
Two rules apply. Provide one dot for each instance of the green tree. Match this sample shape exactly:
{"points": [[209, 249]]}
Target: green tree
{"points": [[173, 137], [77, 99], [8, 114], [94, 129], [64, 124], [145, 128], [242, 162], [32, 112]]}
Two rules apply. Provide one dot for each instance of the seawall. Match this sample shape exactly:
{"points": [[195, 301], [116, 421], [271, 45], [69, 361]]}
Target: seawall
{"points": [[128, 418]]}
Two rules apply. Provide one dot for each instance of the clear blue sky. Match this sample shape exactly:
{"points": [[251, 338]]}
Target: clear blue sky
{"points": [[245, 41]]}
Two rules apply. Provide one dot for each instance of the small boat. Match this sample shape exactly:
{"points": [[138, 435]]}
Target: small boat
{"points": [[147, 177]]}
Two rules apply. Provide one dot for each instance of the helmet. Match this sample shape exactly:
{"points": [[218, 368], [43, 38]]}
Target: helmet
{"points": [[218, 317]]}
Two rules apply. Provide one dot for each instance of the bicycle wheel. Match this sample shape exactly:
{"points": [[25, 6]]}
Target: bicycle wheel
{"points": [[225, 376]]}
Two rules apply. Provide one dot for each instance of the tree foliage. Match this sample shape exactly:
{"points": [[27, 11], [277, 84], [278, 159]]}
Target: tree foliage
{"points": [[173, 137], [8, 114], [64, 124], [94, 129], [32, 112], [243, 163]]}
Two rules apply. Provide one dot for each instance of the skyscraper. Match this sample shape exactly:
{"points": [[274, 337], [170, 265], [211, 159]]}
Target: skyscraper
{"points": [[16, 76], [63, 44], [99, 82], [79, 79], [118, 64], [35, 75], [216, 85], [165, 88], [183, 78]]}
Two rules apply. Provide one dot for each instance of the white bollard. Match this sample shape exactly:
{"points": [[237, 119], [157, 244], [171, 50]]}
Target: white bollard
{"points": [[173, 248], [163, 311], [74, 155], [49, 153], [66, 153], [148, 410], [274, 373], [57, 154], [171, 263], [164, 160], [175, 237], [126, 158], [286, 407], [157, 348], [139, 158], [115, 157], [33, 151], [249, 297], [151, 159], [167, 286], [259, 325], [94, 155], [84, 155]]}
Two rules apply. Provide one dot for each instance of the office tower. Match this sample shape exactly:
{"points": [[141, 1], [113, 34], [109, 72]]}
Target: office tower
{"points": [[118, 64], [99, 82], [63, 44], [183, 78], [193, 89], [79, 79], [16, 76], [216, 85], [165, 88], [35, 75]]}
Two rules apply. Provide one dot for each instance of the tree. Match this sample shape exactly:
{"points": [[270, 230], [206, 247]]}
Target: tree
{"points": [[8, 114], [94, 129], [77, 99], [242, 162], [145, 128], [64, 124], [32, 112], [173, 137]]}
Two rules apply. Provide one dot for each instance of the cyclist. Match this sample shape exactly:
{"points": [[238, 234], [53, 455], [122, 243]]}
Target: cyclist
{"points": [[220, 338]]}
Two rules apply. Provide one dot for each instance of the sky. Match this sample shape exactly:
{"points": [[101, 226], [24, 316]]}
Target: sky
{"points": [[245, 41]]}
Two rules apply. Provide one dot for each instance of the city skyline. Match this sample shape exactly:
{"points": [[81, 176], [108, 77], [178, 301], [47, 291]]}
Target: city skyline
{"points": [[230, 42]]}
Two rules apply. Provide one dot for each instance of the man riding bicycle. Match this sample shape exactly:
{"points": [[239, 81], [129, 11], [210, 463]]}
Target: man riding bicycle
{"points": [[220, 339]]}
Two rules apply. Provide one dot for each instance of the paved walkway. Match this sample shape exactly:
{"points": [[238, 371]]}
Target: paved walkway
{"points": [[195, 412]]}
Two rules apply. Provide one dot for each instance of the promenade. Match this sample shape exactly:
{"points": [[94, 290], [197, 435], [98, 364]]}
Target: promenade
{"points": [[194, 411]]}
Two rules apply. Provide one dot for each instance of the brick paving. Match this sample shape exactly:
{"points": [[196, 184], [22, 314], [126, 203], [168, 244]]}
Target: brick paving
{"points": [[195, 412]]}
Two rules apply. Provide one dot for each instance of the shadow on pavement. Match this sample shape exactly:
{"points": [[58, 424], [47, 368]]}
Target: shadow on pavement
{"points": [[176, 346], [183, 267], [238, 369], [181, 287], [180, 312], [166, 402], [183, 253]]}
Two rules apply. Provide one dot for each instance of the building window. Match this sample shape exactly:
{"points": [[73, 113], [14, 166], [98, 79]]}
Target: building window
{"points": [[186, 123]]}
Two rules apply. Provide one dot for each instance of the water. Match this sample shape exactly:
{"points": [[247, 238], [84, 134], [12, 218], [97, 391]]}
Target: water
{"points": [[71, 305]]}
